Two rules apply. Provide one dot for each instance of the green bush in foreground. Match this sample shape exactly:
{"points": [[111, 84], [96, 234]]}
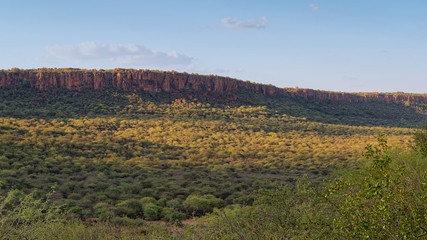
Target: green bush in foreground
{"points": [[420, 139], [385, 200], [280, 213], [22, 215]]}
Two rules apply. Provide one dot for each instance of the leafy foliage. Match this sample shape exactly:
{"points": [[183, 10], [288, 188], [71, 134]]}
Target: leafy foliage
{"points": [[384, 200], [134, 148], [200, 205], [121, 157], [420, 139], [21, 215]]}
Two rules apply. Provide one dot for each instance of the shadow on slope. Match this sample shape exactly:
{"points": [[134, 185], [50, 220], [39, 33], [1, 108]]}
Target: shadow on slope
{"points": [[61, 103], [342, 112]]}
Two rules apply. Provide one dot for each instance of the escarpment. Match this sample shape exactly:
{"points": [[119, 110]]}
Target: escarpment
{"points": [[156, 81], [151, 81], [359, 97]]}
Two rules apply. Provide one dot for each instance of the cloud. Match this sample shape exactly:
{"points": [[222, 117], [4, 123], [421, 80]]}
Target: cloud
{"points": [[314, 7], [251, 23], [117, 54]]}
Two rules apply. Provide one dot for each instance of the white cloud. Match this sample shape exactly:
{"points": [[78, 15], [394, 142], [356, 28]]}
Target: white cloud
{"points": [[251, 23], [314, 7], [118, 54]]}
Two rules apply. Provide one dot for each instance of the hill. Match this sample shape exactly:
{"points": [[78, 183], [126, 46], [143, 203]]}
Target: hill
{"points": [[371, 109], [106, 138]]}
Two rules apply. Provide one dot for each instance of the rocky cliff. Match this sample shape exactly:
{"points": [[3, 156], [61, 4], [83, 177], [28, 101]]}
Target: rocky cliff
{"points": [[359, 97], [152, 81], [156, 81]]}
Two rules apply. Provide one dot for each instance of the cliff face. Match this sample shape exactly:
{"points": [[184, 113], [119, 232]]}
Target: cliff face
{"points": [[360, 97], [126, 80], [153, 81]]}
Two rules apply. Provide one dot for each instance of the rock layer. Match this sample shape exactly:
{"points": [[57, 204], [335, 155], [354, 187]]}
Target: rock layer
{"points": [[152, 81], [156, 81], [360, 97]]}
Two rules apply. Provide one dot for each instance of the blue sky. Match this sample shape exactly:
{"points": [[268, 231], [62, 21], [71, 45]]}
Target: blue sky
{"points": [[352, 46]]}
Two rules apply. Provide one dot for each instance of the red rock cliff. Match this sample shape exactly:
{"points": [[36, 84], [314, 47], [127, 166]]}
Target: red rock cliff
{"points": [[359, 97], [155, 81], [152, 81]]}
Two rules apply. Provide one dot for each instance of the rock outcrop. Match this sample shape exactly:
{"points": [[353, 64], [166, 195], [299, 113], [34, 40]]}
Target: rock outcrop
{"points": [[152, 81], [359, 97], [156, 81]]}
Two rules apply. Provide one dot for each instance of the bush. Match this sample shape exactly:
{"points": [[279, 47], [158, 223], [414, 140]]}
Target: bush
{"points": [[152, 212], [279, 213], [175, 204], [171, 215], [385, 200], [104, 211], [132, 207], [125, 221], [21, 215], [147, 200], [200, 205], [420, 139]]}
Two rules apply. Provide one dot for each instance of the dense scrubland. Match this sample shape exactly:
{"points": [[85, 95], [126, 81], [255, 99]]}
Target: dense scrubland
{"points": [[115, 164]]}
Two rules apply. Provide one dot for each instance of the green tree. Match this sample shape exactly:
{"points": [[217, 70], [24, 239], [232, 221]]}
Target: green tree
{"points": [[386, 200], [22, 214], [199, 205], [152, 212], [420, 139]]}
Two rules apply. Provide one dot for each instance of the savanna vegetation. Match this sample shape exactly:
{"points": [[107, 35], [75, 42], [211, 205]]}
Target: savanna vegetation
{"points": [[105, 164]]}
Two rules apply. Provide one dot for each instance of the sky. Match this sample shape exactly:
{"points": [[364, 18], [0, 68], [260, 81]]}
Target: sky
{"points": [[335, 45]]}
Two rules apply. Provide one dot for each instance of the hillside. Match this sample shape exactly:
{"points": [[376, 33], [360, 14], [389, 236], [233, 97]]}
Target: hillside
{"points": [[370, 109], [103, 139], [156, 81]]}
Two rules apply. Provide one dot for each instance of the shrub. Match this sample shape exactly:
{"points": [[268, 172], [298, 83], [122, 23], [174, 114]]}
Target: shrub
{"points": [[146, 200], [171, 215], [21, 215], [125, 221], [104, 211], [200, 205], [420, 139], [385, 200], [175, 204], [133, 208], [152, 212]]}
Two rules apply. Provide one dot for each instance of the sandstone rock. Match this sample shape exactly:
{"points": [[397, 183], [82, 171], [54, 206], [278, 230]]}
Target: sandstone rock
{"points": [[154, 81]]}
